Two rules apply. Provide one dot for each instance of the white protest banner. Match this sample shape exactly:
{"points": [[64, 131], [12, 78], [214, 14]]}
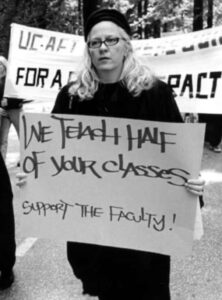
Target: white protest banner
{"points": [[190, 63], [182, 43], [42, 61], [197, 84], [110, 181]]}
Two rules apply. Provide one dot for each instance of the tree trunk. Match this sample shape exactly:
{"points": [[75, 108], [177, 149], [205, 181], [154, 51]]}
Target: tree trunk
{"points": [[156, 28], [210, 14], [146, 2], [88, 7], [198, 15], [139, 8], [139, 14]]}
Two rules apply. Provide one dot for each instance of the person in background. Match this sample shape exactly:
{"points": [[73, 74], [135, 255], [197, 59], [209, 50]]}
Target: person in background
{"points": [[10, 109], [113, 83], [7, 229], [3, 68], [213, 133]]}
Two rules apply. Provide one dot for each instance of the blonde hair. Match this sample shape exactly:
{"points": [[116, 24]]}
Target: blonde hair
{"points": [[135, 76]]}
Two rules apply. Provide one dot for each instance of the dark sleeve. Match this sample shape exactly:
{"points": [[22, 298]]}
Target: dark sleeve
{"points": [[62, 101], [169, 111], [13, 103]]}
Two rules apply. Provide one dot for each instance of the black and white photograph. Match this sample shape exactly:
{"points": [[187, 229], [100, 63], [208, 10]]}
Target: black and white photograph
{"points": [[111, 150]]}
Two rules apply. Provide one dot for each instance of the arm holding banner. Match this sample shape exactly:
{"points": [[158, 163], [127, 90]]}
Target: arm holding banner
{"points": [[196, 186], [11, 103]]}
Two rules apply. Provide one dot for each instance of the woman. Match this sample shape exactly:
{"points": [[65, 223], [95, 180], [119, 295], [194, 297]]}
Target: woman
{"points": [[113, 83]]}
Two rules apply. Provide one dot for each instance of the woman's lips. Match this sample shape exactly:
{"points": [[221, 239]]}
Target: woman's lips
{"points": [[104, 58]]}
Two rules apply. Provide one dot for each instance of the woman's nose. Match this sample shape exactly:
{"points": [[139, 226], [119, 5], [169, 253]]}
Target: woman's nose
{"points": [[103, 46]]}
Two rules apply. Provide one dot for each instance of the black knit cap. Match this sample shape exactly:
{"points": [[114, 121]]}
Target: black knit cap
{"points": [[105, 14]]}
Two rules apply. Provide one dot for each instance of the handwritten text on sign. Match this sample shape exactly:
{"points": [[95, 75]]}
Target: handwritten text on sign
{"points": [[110, 181]]}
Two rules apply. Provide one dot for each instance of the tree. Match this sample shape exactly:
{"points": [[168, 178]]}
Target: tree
{"points": [[217, 7], [58, 15], [88, 8], [210, 14], [7, 11], [67, 16], [198, 15], [64, 16], [161, 13]]}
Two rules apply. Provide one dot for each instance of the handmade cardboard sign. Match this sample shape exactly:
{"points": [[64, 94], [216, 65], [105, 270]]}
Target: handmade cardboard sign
{"points": [[110, 181]]}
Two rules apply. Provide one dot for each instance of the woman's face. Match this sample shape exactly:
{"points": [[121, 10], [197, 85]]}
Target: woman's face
{"points": [[107, 60]]}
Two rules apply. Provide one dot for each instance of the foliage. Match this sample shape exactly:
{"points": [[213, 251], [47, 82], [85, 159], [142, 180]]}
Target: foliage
{"points": [[30, 13], [177, 15], [66, 15], [63, 16], [217, 10]]}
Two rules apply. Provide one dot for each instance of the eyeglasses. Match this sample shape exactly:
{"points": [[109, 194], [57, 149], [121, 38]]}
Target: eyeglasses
{"points": [[111, 41]]}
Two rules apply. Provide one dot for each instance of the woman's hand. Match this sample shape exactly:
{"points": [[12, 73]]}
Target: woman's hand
{"points": [[195, 186], [21, 179]]}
